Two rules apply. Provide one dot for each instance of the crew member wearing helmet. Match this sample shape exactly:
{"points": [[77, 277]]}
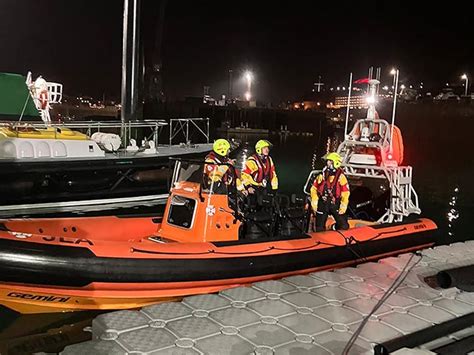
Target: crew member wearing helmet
{"points": [[330, 194], [214, 171], [259, 172]]}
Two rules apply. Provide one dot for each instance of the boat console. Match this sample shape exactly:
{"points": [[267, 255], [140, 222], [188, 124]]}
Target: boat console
{"points": [[199, 210]]}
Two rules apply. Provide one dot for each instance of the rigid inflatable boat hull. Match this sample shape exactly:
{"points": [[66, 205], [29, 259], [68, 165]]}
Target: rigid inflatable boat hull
{"points": [[38, 274]]}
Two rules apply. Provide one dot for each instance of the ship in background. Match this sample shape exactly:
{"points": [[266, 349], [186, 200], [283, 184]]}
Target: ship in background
{"points": [[56, 167]]}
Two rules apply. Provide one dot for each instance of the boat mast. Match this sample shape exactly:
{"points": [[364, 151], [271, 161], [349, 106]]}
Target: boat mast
{"points": [[152, 26], [130, 60]]}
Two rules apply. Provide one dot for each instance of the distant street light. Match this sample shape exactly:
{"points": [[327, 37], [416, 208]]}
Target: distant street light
{"points": [[464, 77], [248, 76], [394, 73]]}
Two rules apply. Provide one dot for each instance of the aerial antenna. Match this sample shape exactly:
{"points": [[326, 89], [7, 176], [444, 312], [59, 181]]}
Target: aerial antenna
{"points": [[377, 77], [348, 106], [396, 72], [371, 74]]}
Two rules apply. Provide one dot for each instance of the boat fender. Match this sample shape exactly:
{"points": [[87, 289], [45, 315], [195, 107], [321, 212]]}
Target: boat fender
{"points": [[109, 141]]}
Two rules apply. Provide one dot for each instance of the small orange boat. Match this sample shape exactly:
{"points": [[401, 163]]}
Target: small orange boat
{"points": [[205, 242]]}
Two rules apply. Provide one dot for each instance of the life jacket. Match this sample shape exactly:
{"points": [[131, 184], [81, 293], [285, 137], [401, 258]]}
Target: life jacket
{"points": [[331, 189], [264, 171], [217, 159]]}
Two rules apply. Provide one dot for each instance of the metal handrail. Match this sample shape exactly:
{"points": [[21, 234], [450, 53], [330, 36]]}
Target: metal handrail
{"points": [[87, 124], [183, 127], [407, 201], [125, 127]]}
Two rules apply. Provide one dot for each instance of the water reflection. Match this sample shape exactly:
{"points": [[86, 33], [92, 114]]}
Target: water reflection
{"points": [[453, 213], [332, 142]]}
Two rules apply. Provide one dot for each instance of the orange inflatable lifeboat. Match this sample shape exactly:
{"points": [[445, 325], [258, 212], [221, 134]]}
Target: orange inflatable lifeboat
{"points": [[208, 240]]}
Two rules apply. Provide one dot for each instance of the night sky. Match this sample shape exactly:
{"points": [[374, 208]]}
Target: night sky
{"points": [[287, 46]]}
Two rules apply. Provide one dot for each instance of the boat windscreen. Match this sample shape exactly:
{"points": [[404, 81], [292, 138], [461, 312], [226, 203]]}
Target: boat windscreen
{"points": [[189, 171], [218, 178]]}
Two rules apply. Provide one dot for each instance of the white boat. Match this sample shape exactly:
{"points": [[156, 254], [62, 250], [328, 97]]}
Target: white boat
{"points": [[372, 153], [55, 167]]}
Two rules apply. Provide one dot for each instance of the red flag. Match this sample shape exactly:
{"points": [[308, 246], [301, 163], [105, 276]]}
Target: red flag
{"points": [[362, 81]]}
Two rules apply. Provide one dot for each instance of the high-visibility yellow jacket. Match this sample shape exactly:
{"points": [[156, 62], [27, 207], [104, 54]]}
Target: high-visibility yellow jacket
{"points": [[259, 172], [325, 184], [218, 170]]}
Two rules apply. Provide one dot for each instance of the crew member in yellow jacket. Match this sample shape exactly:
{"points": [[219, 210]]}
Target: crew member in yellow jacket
{"points": [[218, 170], [330, 194], [259, 172]]}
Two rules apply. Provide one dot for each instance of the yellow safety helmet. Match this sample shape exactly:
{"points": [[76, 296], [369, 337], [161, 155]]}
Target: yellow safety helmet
{"points": [[335, 158], [262, 143], [221, 146]]}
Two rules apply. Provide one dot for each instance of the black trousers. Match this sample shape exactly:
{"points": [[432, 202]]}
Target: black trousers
{"points": [[326, 208]]}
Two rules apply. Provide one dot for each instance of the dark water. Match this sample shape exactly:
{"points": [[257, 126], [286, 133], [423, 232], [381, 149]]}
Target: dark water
{"points": [[437, 145]]}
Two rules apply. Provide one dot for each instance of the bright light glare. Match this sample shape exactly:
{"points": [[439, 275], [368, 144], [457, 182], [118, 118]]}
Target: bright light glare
{"points": [[248, 96], [393, 71], [248, 76], [371, 100], [464, 77]]}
